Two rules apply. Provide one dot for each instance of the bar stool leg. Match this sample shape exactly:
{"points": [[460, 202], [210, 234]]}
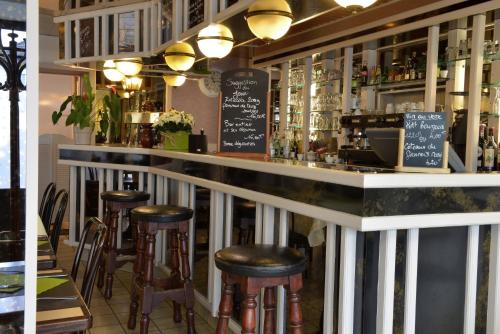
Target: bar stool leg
{"points": [[138, 265], [111, 256], [186, 277], [225, 307], [175, 274], [147, 299], [249, 319], [270, 310], [294, 307]]}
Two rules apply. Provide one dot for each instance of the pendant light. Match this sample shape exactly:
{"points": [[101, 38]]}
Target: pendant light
{"points": [[215, 41], [180, 56], [110, 71], [269, 19], [355, 5], [132, 84], [175, 79], [129, 66]]}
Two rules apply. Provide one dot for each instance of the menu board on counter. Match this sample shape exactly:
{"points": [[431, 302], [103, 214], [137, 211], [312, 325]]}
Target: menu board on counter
{"points": [[423, 145], [244, 112], [196, 12]]}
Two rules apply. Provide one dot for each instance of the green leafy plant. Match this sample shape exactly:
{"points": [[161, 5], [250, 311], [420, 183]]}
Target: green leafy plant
{"points": [[103, 122], [113, 107], [81, 114]]}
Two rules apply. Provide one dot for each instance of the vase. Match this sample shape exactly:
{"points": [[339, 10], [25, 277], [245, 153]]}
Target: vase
{"points": [[175, 141], [82, 136], [146, 137]]}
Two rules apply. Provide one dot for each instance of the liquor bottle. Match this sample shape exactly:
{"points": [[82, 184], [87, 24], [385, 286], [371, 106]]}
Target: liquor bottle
{"points": [[490, 152], [480, 147], [378, 74], [364, 75], [407, 69], [413, 66]]}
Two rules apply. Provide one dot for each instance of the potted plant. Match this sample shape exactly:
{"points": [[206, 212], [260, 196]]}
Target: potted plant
{"points": [[175, 127], [112, 106], [81, 115], [102, 126]]}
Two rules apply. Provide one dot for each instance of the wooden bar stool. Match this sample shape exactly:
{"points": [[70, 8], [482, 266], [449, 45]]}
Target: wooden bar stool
{"points": [[145, 288], [255, 267], [116, 201]]}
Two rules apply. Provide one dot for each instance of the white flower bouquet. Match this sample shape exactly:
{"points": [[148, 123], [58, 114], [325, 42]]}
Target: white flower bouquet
{"points": [[174, 121]]}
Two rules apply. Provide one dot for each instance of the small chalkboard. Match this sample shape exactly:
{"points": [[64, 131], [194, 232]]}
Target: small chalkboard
{"points": [[196, 12], [244, 112], [423, 146]]}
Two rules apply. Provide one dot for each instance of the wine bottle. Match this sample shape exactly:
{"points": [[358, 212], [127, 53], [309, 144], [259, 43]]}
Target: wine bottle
{"points": [[489, 152], [480, 147]]}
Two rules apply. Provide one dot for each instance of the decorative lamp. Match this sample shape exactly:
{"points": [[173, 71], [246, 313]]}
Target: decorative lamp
{"points": [[269, 19], [355, 5], [132, 84], [215, 41], [174, 80], [110, 71], [180, 56], [129, 66]]}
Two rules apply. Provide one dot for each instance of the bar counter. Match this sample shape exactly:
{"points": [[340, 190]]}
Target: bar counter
{"points": [[350, 203]]}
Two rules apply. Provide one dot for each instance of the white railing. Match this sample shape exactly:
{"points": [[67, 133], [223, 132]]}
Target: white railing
{"points": [[221, 214]]}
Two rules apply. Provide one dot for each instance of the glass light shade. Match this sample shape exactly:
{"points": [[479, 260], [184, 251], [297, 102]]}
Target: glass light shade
{"points": [[180, 56], [174, 80], [132, 83], [215, 41], [269, 19], [355, 4], [110, 71], [129, 66]]}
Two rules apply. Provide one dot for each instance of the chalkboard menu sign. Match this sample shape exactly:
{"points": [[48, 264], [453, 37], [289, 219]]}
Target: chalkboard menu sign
{"points": [[196, 12], [423, 142], [243, 118]]}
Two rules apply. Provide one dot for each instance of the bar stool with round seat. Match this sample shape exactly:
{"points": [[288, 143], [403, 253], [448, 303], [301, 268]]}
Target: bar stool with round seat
{"points": [[254, 267], [116, 201], [145, 288]]}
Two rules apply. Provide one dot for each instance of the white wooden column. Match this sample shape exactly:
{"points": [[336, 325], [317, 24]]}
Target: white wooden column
{"points": [[386, 276], [228, 224], [493, 314], [331, 240], [306, 95], [192, 233], [258, 223], [72, 203], [368, 94], [100, 209], [82, 199], [471, 280], [284, 96], [160, 245], [215, 244], [346, 94], [151, 188], [411, 280], [475, 78], [431, 70], [493, 121], [281, 294], [347, 277], [120, 214]]}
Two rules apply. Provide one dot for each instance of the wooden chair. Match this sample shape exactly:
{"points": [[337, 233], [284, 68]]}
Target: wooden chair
{"points": [[46, 205], [94, 235], [55, 225]]}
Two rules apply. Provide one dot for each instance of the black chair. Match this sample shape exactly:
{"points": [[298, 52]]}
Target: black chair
{"points": [[54, 230], [47, 204], [93, 234]]}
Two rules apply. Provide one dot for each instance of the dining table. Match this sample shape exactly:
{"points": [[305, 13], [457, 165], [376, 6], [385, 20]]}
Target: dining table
{"points": [[60, 307]]}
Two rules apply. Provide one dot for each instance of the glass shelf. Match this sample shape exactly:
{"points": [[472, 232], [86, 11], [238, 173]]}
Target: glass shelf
{"points": [[466, 93], [493, 84], [325, 111]]}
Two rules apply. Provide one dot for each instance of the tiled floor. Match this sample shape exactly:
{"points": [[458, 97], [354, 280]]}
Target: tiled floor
{"points": [[110, 317]]}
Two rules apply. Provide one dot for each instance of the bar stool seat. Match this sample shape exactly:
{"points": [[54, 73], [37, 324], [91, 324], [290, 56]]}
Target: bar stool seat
{"points": [[114, 257], [163, 213], [259, 267], [125, 196], [149, 291], [260, 261]]}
